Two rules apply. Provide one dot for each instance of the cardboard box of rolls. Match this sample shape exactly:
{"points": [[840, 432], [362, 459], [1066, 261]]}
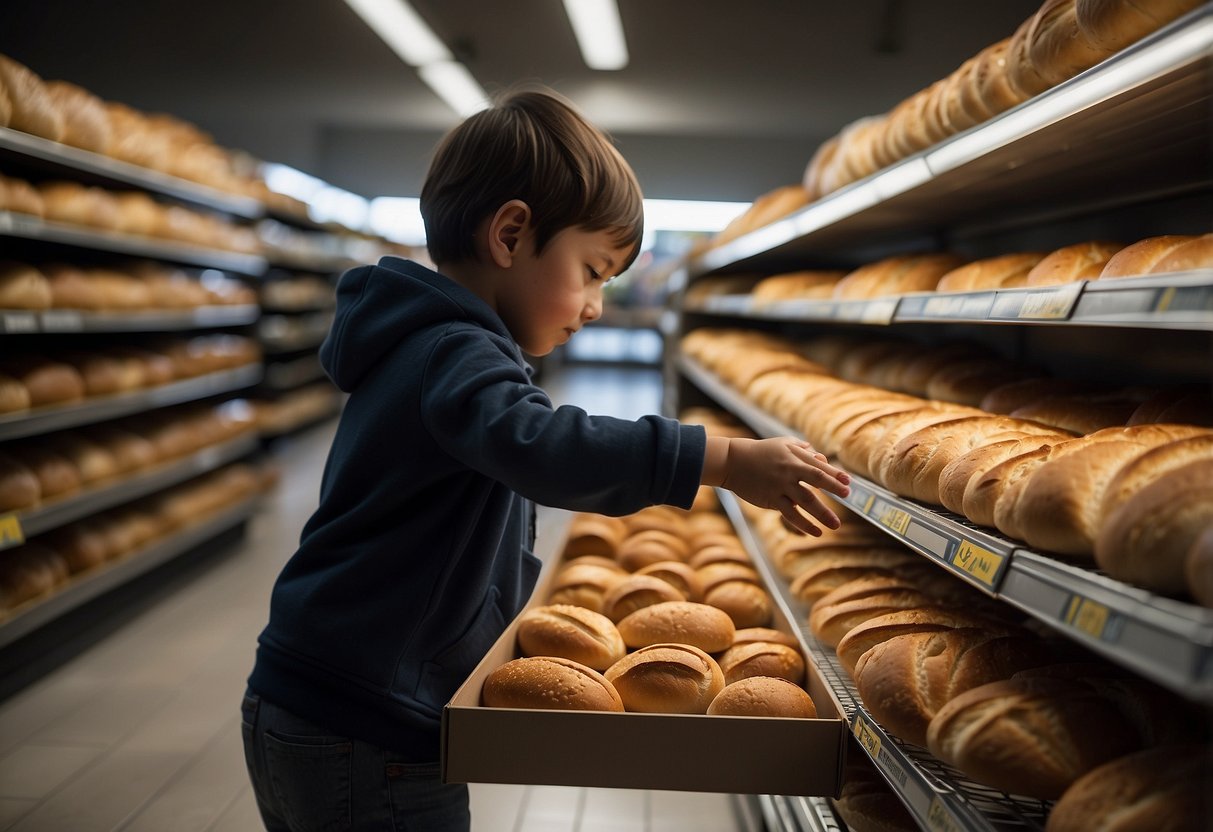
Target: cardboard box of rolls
{"points": [[650, 656]]}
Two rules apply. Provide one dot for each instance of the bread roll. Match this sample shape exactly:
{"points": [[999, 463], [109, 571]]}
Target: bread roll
{"points": [[905, 680], [57, 476], [1115, 24], [594, 535], [46, 381], [1003, 272], [867, 635], [19, 487], [86, 123], [81, 545], [681, 576], [635, 592], [713, 575], [1081, 261], [751, 635], [763, 696], [1147, 542], [746, 603], [572, 633], [1198, 568], [661, 518], [667, 679], [742, 661], [584, 586], [679, 622], [32, 110], [23, 287], [650, 546], [29, 572], [549, 682], [838, 612], [1030, 736], [718, 553], [13, 396], [863, 438]]}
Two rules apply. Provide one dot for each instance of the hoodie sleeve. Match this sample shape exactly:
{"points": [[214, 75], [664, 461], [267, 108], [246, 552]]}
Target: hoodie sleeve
{"points": [[480, 407]]}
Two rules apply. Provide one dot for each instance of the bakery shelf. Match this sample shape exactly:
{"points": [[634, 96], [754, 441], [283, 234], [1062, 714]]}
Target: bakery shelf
{"points": [[798, 814], [28, 227], [291, 333], [1179, 301], [305, 421], [1168, 641], [101, 408], [65, 160], [287, 375], [938, 796], [88, 585], [1051, 155], [69, 321], [15, 527], [325, 264]]}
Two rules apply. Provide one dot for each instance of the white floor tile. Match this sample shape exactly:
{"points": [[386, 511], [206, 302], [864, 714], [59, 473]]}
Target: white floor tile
{"points": [[495, 807], [551, 802], [614, 810], [34, 771]]}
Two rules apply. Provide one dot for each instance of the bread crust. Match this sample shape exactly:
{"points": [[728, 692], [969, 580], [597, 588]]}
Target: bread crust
{"points": [[549, 682], [667, 678]]}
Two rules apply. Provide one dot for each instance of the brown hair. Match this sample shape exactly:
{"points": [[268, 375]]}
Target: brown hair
{"points": [[532, 146]]}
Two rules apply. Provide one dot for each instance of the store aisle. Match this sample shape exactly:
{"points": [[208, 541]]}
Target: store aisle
{"points": [[140, 731]]}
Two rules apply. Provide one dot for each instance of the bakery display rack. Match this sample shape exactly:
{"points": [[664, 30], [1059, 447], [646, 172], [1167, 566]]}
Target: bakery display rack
{"points": [[45, 156], [86, 586], [101, 408], [72, 321], [938, 796], [16, 526], [798, 814], [1163, 639], [292, 373]]}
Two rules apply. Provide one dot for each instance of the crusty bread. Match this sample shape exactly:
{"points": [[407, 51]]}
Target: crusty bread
{"points": [[1140, 257], [1029, 735], [826, 574], [584, 585], [746, 603], [679, 622], [1013, 395], [1002, 272], [905, 680], [23, 287], [896, 275], [838, 612], [635, 592], [649, 546], [1077, 414], [13, 395], [1115, 24], [762, 659], [549, 682], [594, 534], [988, 90], [1198, 567], [46, 381], [955, 477], [867, 635], [31, 110], [1149, 466], [796, 285], [750, 635], [862, 437], [1058, 48], [763, 696], [681, 576], [86, 122], [1081, 261], [572, 633], [1147, 542], [667, 679], [57, 476], [1156, 789], [19, 487], [1194, 254]]}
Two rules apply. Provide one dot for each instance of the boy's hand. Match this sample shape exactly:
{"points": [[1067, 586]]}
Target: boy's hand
{"points": [[781, 474]]}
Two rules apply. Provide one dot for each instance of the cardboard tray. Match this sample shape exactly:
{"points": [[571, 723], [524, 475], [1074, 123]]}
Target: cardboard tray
{"points": [[740, 755]]}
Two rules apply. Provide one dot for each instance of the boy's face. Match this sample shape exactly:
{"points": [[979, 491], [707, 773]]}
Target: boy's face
{"points": [[547, 298]]}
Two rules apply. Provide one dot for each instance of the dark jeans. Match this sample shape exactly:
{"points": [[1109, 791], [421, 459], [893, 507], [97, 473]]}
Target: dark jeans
{"points": [[306, 779]]}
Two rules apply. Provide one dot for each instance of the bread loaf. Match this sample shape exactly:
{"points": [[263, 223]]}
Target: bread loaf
{"points": [[681, 576], [19, 487], [594, 535], [570, 632], [1115, 24], [31, 109], [746, 603], [86, 123], [762, 659], [869, 435], [751, 635], [1192, 255], [583, 585], [28, 573], [838, 612], [717, 553], [549, 683], [635, 592], [681, 622], [23, 287], [46, 381], [1081, 261], [1198, 567], [1183, 405], [1140, 257], [896, 275], [650, 546], [713, 575], [1149, 466], [989, 91], [863, 637], [1013, 395], [1003, 272], [660, 518], [967, 382], [867, 804], [1078, 414], [796, 285], [905, 680], [954, 479], [1147, 542], [57, 476], [81, 545], [1058, 48], [763, 696], [827, 574], [13, 395], [1030, 736], [667, 679]]}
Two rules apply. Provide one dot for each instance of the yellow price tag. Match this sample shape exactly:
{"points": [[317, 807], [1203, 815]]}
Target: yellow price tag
{"points": [[866, 736], [1164, 300], [10, 531], [894, 518], [1087, 615], [939, 819], [977, 561]]}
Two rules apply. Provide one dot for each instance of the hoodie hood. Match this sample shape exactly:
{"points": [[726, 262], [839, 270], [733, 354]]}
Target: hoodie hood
{"points": [[379, 305]]}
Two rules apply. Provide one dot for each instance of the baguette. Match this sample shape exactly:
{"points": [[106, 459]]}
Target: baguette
{"points": [[929, 619], [1115, 24], [1081, 261], [1007, 271], [1141, 257], [838, 612]]}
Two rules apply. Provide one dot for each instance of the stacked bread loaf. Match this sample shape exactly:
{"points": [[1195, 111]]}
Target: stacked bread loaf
{"points": [[45, 564], [1101, 475], [660, 611]]}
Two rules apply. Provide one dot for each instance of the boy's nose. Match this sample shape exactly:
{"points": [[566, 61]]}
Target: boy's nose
{"points": [[593, 309]]}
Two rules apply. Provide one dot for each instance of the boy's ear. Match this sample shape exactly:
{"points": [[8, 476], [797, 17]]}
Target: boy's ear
{"points": [[507, 228]]}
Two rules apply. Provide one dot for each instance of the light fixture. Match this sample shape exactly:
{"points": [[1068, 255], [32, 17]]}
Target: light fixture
{"points": [[402, 29], [599, 33]]}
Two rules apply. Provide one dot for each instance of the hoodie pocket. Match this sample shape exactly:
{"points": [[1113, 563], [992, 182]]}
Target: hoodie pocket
{"points": [[442, 675]]}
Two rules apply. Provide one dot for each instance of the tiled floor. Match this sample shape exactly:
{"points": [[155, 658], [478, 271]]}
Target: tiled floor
{"points": [[140, 731]]}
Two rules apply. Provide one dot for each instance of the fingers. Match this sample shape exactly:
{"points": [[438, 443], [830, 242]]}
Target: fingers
{"points": [[811, 501], [823, 475], [797, 522]]}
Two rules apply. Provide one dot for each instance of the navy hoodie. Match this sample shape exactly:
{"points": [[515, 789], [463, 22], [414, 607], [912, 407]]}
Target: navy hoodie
{"points": [[419, 553]]}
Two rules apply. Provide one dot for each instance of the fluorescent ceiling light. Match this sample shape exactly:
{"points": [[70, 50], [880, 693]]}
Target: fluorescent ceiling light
{"points": [[398, 218], [599, 32], [454, 85], [402, 29], [690, 215]]}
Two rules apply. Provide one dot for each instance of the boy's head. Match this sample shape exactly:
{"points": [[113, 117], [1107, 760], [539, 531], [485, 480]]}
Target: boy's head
{"points": [[534, 147]]}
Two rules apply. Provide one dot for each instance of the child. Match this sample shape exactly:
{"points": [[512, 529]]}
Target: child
{"points": [[420, 551]]}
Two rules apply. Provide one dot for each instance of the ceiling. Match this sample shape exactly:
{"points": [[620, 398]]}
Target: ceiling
{"points": [[721, 100]]}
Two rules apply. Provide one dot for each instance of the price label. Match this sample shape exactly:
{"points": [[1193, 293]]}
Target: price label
{"points": [[892, 517], [939, 818], [1165, 299], [62, 321], [1052, 305], [979, 562], [18, 322], [878, 311], [1087, 616], [11, 533], [866, 736]]}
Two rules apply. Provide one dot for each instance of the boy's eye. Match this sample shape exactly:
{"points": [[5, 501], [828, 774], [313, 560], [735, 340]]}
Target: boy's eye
{"points": [[594, 273]]}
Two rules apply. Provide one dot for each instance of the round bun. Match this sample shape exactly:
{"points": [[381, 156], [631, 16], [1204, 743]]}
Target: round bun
{"points": [[679, 622], [549, 682], [667, 679], [570, 632], [763, 696], [594, 534], [762, 659], [749, 605], [749, 635], [583, 585], [651, 546], [679, 575], [636, 592]]}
